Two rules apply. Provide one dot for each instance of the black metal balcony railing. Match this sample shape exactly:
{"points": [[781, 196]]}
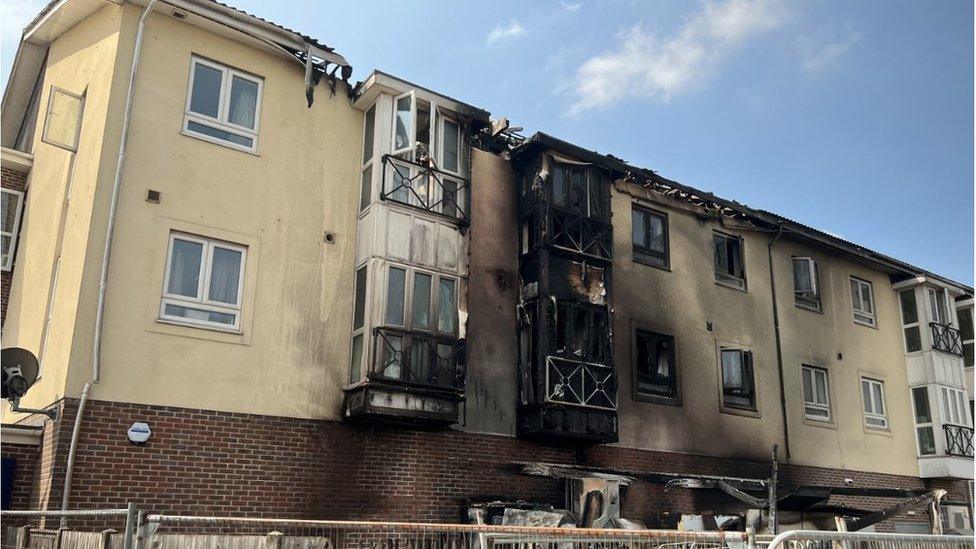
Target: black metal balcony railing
{"points": [[576, 232], [946, 339], [581, 383], [418, 359], [959, 440], [425, 187]]}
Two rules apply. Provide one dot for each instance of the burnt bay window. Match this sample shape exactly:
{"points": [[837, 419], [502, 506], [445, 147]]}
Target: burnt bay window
{"points": [[582, 331], [729, 262], [909, 320], [862, 299], [650, 237], [223, 105], [655, 372], [738, 379], [578, 187], [806, 283]]}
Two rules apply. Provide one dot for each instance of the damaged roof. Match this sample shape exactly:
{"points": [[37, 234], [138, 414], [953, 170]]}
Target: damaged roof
{"points": [[900, 269]]}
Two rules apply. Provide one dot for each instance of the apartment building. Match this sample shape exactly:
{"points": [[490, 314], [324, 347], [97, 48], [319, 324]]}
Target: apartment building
{"points": [[374, 301]]}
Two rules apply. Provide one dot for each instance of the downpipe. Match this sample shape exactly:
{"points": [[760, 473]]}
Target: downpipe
{"points": [[779, 346], [66, 496], [116, 186]]}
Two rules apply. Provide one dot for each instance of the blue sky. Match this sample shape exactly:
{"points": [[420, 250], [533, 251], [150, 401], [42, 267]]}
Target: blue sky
{"points": [[853, 117]]}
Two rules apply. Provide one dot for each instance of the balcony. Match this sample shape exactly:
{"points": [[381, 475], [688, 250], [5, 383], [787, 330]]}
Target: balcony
{"points": [[959, 440], [575, 232], [425, 187], [414, 380], [581, 383], [946, 339]]}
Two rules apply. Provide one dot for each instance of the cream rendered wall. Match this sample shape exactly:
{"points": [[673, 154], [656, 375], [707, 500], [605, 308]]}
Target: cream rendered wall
{"points": [[81, 61], [292, 354], [832, 340], [683, 301]]}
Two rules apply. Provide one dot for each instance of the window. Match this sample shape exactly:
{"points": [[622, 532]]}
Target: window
{"points": [[806, 283], [862, 295], [654, 366], [358, 323], [62, 124], [937, 306], [923, 422], [366, 177], [909, 321], [404, 114], [451, 147], [13, 205], [582, 331], [875, 415], [729, 266], [965, 315], [650, 237], [223, 105], [421, 301], [816, 399], [954, 409], [738, 384], [204, 282]]}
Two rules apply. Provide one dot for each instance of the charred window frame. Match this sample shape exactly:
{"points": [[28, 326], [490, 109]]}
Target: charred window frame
{"points": [[650, 238], [581, 332], [655, 373], [729, 260], [806, 283], [578, 188], [738, 379]]}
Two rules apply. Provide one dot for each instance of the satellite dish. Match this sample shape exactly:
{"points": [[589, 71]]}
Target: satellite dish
{"points": [[20, 370]]}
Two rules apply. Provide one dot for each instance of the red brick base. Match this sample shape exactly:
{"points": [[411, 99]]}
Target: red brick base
{"points": [[213, 463]]}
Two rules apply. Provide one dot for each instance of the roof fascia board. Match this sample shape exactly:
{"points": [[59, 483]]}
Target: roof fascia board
{"points": [[379, 81], [60, 17]]}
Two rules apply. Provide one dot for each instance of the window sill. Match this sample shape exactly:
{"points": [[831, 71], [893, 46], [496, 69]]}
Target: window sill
{"points": [[820, 423], [657, 399], [220, 142], [810, 308], [866, 324], [739, 411], [650, 263], [234, 331], [881, 431], [729, 285]]}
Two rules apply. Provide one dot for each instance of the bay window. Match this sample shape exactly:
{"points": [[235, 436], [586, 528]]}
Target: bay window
{"points": [[924, 431], [419, 300], [909, 320]]}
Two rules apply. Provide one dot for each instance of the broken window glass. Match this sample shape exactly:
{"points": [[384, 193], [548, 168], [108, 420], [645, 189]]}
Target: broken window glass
{"points": [[395, 289], [655, 364], [650, 238], [738, 389], [729, 269]]}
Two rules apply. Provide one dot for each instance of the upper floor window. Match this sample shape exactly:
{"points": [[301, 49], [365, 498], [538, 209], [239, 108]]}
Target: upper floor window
{"points": [[13, 205], [421, 301], [862, 295], [938, 308], [358, 326], [223, 105], [650, 237], [366, 175], [738, 381], [954, 410], [654, 366], [62, 123], [909, 320], [451, 146], [816, 394], [965, 315], [806, 283], [577, 187], [729, 263], [582, 331], [875, 412], [204, 282]]}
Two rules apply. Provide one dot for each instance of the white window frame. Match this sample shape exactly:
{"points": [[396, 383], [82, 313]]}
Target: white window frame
{"points": [[813, 371], [411, 131], [882, 416], [723, 278], [73, 147], [920, 425], [221, 122], [442, 121], [434, 304], [917, 324], [361, 331], [368, 162], [939, 312], [954, 406], [862, 316], [201, 301], [15, 232], [804, 299]]}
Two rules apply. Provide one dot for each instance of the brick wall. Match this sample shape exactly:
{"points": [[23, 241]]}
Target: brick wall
{"points": [[26, 456], [17, 181], [215, 463]]}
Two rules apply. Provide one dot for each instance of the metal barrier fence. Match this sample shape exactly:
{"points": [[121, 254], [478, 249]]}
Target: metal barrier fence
{"points": [[818, 539], [98, 529]]}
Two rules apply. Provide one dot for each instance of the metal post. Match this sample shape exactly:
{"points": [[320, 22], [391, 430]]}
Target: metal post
{"points": [[773, 479], [130, 520], [750, 537]]}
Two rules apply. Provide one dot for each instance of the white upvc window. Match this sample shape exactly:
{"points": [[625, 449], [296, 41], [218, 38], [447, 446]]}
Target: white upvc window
{"points": [[366, 172], [954, 410], [875, 412], [938, 308], [62, 122], [404, 123], [449, 154], [806, 286], [204, 282], [924, 426], [13, 206], [418, 300], [358, 351], [223, 105], [862, 296], [816, 394]]}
